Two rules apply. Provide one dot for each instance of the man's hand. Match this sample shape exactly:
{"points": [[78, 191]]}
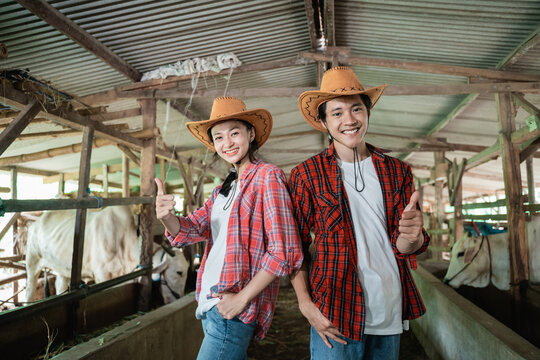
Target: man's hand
{"points": [[164, 202], [410, 227], [321, 324]]}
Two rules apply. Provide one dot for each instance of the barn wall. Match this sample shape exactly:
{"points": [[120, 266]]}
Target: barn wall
{"points": [[454, 328], [170, 332]]}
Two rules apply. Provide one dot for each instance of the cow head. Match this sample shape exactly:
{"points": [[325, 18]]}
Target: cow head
{"points": [[171, 272], [469, 264]]}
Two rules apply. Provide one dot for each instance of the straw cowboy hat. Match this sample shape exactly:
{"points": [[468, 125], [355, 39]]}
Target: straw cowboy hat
{"points": [[336, 82], [230, 108]]}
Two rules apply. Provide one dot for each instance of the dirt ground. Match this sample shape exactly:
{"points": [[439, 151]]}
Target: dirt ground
{"points": [[288, 336]]}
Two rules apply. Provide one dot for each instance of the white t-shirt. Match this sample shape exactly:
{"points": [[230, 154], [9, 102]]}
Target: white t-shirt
{"points": [[377, 267], [219, 223]]}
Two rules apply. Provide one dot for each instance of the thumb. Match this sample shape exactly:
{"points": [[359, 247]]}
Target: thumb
{"points": [[412, 201], [159, 183]]}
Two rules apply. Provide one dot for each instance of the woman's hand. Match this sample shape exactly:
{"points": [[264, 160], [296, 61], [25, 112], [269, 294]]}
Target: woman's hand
{"points": [[164, 202], [231, 304]]}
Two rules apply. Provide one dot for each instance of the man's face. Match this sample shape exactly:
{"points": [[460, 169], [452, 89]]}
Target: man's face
{"points": [[347, 121]]}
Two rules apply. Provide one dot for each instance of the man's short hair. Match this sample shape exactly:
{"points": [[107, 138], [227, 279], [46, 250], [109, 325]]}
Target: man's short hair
{"points": [[365, 99]]}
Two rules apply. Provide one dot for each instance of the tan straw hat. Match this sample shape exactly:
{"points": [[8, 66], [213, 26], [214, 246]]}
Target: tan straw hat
{"points": [[336, 82], [230, 108]]}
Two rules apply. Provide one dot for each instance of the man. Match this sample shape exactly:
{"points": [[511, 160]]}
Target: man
{"points": [[367, 226]]}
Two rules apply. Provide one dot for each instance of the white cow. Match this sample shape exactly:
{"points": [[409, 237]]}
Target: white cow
{"points": [[111, 249], [472, 258]]}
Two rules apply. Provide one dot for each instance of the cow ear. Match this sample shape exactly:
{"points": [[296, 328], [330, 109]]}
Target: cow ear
{"points": [[159, 268], [469, 254]]}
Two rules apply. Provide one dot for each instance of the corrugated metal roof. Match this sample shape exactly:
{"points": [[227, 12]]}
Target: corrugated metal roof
{"points": [[148, 34]]}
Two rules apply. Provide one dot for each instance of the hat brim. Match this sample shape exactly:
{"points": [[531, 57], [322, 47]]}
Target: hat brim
{"points": [[260, 119], [309, 102]]}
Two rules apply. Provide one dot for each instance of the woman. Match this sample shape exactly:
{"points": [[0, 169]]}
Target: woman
{"points": [[247, 223]]}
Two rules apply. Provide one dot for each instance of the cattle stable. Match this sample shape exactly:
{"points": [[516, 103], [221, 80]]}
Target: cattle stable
{"points": [[94, 99]]}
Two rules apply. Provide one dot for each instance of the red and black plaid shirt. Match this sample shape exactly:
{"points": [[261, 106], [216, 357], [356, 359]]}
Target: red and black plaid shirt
{"points": [[320, 204]]}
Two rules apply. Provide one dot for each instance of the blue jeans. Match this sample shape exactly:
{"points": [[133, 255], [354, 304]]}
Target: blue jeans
{"points": [[224, 339], [374, 347]]}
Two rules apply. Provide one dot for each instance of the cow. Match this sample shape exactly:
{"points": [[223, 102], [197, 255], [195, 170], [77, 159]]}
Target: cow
{"points": [[111, 249], [477, 260]]}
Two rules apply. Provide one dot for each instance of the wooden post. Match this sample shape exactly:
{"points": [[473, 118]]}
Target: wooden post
{"points": [[80, 221], [61, 184], [148, 173], [530, 181], [439, 175], [519, 262], [163, 174], [15, 249], [458, 206], [125, 175], [105, 171]]}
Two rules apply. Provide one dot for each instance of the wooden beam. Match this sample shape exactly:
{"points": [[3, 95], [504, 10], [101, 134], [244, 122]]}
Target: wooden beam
{"points": [[212, 93], [18, 99], [529, 150], [529, 43], [16, 127], [423, 67], [63, 24], [130, 155], [48, 134], [519, 263], [261, 66], [69, 149], [520, 100], [391, 90], [25, 170], [484, 156], [115, 115], [9, 224], [310, 17], [125, 176]]}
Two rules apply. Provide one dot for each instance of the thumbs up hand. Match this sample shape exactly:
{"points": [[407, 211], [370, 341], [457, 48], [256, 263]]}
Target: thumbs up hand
{"points": [[410, 227], [164, 202]]}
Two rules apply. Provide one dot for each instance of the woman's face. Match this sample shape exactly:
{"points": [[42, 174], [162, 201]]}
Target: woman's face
{"points": [[231, 141]]}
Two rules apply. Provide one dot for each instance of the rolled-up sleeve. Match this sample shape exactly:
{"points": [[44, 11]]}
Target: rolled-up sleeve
{"points": [[302, 209], [195, 227], [284, 252]]}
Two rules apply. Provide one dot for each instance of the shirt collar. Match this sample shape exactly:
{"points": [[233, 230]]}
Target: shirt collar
{"points": [[251, 168]]}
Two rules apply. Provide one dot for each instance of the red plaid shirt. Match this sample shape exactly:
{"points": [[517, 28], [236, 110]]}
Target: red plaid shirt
{"points": [[320, 203], [261, 235]]}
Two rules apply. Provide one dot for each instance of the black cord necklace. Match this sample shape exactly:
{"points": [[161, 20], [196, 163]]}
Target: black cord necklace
{"points": [[356, 172]]}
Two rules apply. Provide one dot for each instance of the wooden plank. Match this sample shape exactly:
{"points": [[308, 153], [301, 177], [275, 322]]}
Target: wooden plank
{"points": [[526, 133], [424, 67], [48, 134], [14, 195], [16, 127], [456, 89], [62, 23], [512, 182], [485, 205], [494, 217], [148, 173]]}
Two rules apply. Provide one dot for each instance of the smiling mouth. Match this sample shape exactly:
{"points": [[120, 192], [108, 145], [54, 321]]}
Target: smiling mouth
{"points": [[351, 131], [231, 152]]}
